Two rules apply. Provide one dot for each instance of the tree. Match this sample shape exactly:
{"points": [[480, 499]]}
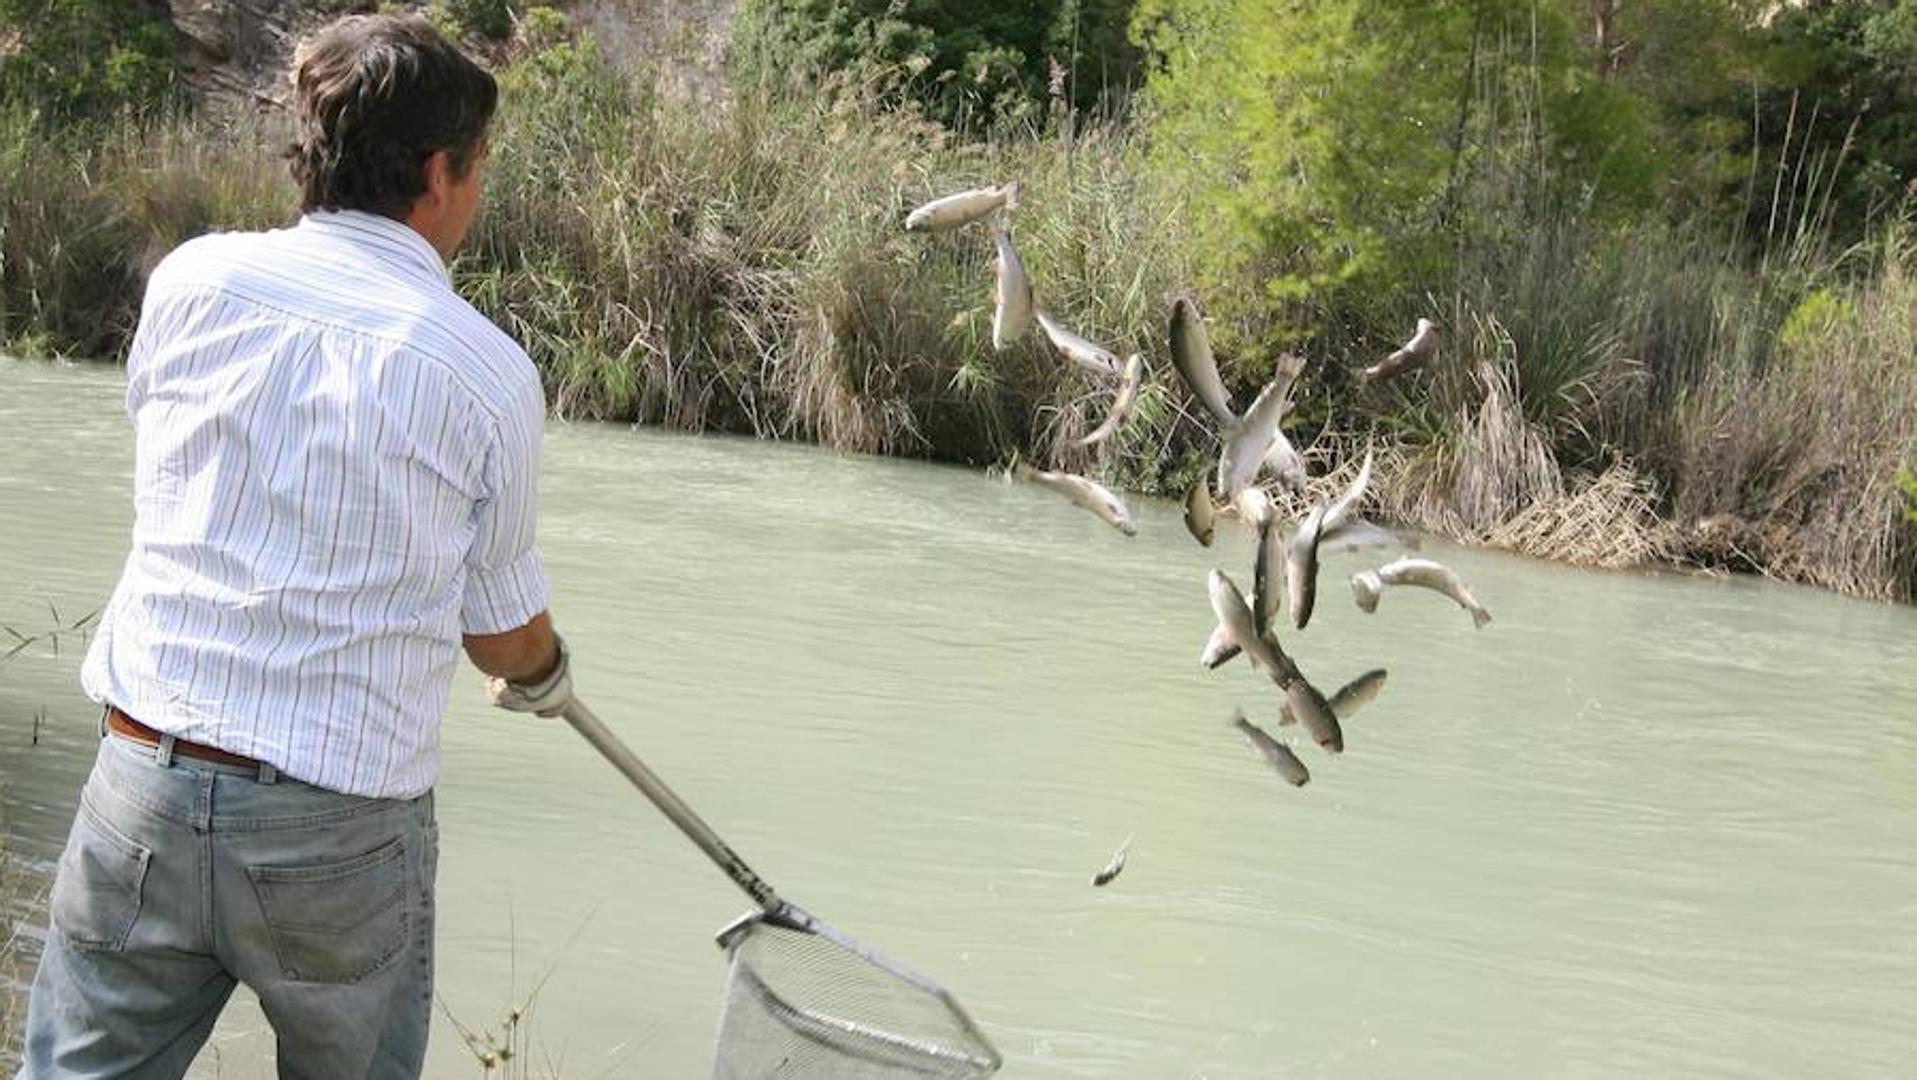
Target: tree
{"points": [[1327, 143], [970, 63]]}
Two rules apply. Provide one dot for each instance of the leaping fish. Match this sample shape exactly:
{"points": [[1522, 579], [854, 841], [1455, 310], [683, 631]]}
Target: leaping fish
{"points": [[1092, 357], [1263, 651], [1115, 867], [953, 211], [1285, 462], [1249, 442], [1011, 296], [1192, 356], [1301, 566], [1301, 559], [1089, 494], [1410, 356], [1350, 697], [1122, 402], [1366, 585], [1200, 515], [1251, 437], [1268, 567], [1274, 752]]}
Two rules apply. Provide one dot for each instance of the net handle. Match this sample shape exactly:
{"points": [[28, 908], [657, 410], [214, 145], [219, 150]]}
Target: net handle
{"points": [[622, 758]]}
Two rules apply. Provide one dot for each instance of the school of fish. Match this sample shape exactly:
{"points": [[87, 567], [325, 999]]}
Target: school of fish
{"points": [[1252, 446]]}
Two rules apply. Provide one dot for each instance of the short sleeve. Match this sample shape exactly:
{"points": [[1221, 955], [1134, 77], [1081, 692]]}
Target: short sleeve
{"points": [[505, 584]]}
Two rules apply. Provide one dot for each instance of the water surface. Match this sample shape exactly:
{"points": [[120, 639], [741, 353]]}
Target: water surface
{"points": [[1641, 823]]}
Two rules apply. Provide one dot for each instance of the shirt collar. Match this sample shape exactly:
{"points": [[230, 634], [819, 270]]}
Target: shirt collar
{"points": [[395, 240]]}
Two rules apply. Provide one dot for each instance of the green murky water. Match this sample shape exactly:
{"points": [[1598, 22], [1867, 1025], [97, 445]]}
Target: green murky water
{"points": [[1645, 824]]}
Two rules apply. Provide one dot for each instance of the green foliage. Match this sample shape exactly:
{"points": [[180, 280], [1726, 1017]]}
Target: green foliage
{"points": [[1907, 485], [71, 60], [1843, 81], [542, 27], [969, 63], [490, 19], [1341, 146], [1819, 314]]}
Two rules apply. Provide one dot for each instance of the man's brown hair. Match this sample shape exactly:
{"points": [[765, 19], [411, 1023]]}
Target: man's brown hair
{"points": [[374, 96]]}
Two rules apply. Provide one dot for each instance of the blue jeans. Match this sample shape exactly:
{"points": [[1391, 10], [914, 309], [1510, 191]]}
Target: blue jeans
{"points": [[182, 877]]}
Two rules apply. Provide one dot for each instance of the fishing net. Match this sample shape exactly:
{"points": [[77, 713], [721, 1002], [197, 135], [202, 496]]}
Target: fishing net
{"points": [[803, 1001]]}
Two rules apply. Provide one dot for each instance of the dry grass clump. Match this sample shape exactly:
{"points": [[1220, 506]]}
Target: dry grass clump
{"points": [[1608, 521]]}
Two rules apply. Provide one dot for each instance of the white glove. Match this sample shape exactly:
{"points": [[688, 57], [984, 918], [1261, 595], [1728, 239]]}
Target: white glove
{"points": [[547, 697]]}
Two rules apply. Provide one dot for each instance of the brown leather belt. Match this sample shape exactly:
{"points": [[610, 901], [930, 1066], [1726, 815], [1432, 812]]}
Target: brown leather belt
{"points": [[122, 724]]}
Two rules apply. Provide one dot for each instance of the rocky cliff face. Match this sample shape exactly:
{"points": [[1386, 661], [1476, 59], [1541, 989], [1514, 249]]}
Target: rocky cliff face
{"points": [[235, 52]]}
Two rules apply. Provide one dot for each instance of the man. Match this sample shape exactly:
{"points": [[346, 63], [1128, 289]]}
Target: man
{"points": [[335, 472]]}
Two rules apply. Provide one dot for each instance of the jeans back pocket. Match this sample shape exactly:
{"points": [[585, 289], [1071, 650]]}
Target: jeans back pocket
{"points": [[336, 922], [96, 892]]}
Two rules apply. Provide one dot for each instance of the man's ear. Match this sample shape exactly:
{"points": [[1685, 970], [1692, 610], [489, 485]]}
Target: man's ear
{"points": [[438, 174]]}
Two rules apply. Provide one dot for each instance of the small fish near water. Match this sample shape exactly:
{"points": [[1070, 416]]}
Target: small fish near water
{"points": [[1234, 612], [1080, 350], [1115, 867], [1122, 402], [1088, 494], [1367, 585], [1350, 697], [1410, 356], [1200, 515], [1012, 303], [1192, 356], [1275, 753], [954, 211]]}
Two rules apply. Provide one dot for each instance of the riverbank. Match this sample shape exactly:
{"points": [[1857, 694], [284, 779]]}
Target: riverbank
{"points": [[1604, 393]]}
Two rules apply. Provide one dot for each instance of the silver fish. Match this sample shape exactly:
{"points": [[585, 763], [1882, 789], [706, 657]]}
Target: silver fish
{"points": [[1350, 697], [1089, 494], [1115, 867], [952, 211], [1122, 402], [1285, 462], [1366, 585], [1320, 720], [1192, 356], [1092, 357], [1221, 646], [1276, 753], [1411, 355], [1345, 506], [1011, 296], [1263, 651], [1267, 568], [1234, 614], [1301, 567], [1247, 441], [1199, 513]]}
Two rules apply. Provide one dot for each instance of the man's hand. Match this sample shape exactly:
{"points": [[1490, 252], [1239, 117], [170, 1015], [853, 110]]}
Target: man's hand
{"points": [[529, 668], [546, 696]]}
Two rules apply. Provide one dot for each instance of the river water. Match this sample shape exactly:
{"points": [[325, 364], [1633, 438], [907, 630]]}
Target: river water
{"points": [[1641, 823]]}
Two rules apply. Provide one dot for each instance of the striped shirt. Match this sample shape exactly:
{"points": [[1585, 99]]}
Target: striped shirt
{"points": [[336, 463]]}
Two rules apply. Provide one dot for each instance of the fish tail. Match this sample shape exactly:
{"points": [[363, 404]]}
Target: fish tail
{"points": [[1479, 616], [1011, 195]]}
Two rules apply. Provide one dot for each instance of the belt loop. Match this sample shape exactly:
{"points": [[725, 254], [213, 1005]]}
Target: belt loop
{"points": [[269, 774], [163, 751]]}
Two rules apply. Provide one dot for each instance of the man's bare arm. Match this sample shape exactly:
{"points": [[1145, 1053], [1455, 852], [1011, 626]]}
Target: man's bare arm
{"points": [[525, 655]]}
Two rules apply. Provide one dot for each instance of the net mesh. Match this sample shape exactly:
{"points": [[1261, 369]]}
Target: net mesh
{"points": [[804, 1001]]}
